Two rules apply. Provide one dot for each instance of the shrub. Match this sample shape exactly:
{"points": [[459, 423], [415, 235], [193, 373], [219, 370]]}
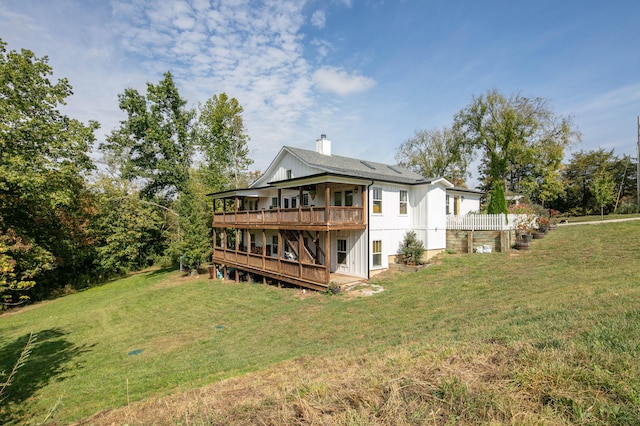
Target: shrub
{"points": [[411, 250], [497, 202], [627, 207]]}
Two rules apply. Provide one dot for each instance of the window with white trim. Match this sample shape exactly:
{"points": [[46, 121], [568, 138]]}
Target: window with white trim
{"points": [[377, 199], [403, 202], [377, 253], [342, 251]]}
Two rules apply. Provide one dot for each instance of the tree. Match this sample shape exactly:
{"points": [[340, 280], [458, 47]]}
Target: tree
{"points": [[155, 142], [222, 139], [603, 189], [436, 153], [497, 202], [548, 187], [521, 139], [623, 172], [129, 232], [157, 145], [43, 159], [578, 177], [195, 212]]}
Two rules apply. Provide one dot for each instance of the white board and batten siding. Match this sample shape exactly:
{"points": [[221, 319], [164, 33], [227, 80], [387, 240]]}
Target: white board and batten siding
{"points": [[390, 225], [356, 252], [290, 165], [436, 218]]}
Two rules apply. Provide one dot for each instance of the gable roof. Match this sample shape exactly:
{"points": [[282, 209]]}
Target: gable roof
{"points": [[346, 166]]}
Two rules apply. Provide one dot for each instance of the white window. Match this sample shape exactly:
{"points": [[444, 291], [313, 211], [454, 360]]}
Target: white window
{"points": [[377, 200], [274, 202], [305, 199], [403, 202], [289, 175], [448, 208], [377, 253], [342, 251]]}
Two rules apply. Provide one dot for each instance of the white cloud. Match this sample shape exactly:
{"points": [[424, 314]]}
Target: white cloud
{"points": [[610, 100], [323, 47], [253, 51], [318, 18], [337, 80]]}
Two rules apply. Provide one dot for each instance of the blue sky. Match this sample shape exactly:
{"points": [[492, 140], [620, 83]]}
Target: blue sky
{"points": [[366, 73]]}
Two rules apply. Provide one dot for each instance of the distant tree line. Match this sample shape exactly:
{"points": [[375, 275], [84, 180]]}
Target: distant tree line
{"points": [[65, 222], [520, 144]]}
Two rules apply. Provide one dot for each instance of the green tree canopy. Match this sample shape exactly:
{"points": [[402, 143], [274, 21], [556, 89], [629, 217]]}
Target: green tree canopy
{"points": [[195, 210], [155, 142], [158, 145], [436, 153], [522, 141], [129, 232], [43, 160], [221, 137], [603, 189], [579, 175]]}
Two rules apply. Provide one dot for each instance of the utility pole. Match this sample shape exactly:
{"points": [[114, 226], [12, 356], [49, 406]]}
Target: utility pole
{"points": [[638, 166]]}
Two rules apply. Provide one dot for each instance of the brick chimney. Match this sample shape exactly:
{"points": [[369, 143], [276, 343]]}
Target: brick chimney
{"points": [[323, 145]]}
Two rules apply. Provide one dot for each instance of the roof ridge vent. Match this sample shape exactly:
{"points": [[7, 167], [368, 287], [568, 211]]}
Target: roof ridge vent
{"points": [[369, 165]]}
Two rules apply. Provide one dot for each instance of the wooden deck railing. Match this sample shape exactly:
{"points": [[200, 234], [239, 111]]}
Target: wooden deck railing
{"points": [[320, 216], [292, 269]]}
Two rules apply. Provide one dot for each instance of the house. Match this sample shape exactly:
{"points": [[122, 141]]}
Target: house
{"points": [[462, 201], [313, 214]]}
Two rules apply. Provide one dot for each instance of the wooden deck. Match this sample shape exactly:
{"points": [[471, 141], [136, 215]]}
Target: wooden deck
{"points": [[304, 274], [302, 218]]}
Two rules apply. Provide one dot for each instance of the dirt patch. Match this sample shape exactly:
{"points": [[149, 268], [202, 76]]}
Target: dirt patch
{"points": [[356, 290]]}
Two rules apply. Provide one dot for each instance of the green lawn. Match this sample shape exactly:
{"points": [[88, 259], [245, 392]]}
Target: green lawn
{"points": [[569, 308], [597, 217]]}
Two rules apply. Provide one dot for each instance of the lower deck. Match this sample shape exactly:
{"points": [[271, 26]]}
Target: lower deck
{"points": [[239, 273], [297, 257], [308, 275]]}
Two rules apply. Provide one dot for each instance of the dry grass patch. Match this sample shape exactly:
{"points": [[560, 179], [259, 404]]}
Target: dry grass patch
{"points": [[401, 386]]}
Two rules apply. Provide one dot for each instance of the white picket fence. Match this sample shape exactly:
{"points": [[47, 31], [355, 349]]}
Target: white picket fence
{"points": [[488, 222]]}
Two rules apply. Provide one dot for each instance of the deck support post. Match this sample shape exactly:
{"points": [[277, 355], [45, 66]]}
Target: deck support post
{"points": [[327, 259]]}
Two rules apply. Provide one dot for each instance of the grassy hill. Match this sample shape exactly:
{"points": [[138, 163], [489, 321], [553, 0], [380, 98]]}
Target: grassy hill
{"points": [[547, 336]]}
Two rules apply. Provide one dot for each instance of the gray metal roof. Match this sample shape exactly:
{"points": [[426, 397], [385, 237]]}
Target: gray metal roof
{"points": [[358, 168]]}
